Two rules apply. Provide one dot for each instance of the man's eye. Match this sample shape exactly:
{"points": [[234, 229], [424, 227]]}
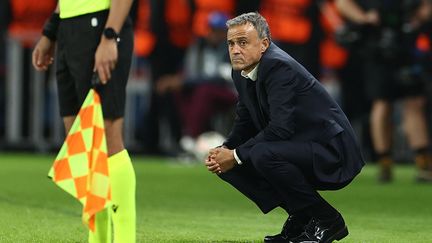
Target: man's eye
{"points": [[242, 43]]}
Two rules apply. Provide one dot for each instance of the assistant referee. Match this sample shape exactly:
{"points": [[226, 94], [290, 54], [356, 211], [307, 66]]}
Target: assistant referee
{"points": [[96, 36]]}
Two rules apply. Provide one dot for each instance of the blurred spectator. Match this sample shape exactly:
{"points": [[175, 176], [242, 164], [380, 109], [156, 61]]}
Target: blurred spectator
{"points": [[27, 19], [140, 76], [202, 10], [332, 56], [295, 29], [247, 6], [204, 87], [174, 23], [144, 41], [384, 35], [170, 24], [340, 74], [5, 17]]}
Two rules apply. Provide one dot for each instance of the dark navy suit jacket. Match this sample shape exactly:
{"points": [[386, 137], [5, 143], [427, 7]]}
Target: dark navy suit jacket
{"points": [[288, 104]]}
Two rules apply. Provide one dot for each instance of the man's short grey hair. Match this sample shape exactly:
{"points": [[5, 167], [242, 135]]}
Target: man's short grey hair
{"points": [[258, 21]]}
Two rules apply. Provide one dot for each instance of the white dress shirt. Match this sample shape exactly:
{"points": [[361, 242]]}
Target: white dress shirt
{"points": [[252, 75]]}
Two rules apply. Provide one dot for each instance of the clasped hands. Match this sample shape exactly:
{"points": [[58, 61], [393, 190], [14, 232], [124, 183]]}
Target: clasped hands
{"points": [[220, 160]]}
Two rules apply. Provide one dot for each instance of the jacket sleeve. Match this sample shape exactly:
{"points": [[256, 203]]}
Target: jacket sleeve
{"points": [[280, 88], [243, 128]]}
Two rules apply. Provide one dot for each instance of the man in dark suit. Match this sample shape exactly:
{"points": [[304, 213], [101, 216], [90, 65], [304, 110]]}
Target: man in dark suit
{"points": [[289, 139]]}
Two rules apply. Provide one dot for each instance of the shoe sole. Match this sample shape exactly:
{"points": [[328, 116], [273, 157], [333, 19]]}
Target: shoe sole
{"points": [[338, 235]]}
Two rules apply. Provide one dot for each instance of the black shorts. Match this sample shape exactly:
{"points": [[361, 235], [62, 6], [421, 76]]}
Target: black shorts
{"points": [[384, 81], [78, 39]]}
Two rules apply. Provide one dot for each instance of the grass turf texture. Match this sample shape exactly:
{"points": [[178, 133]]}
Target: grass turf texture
{"points": [[177, 203]]}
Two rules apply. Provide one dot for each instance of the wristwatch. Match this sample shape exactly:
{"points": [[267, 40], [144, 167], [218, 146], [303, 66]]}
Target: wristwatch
{"points": [[111, 34]]}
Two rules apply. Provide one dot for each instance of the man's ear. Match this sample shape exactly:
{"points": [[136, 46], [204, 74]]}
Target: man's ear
{"points": [[264, 44]]}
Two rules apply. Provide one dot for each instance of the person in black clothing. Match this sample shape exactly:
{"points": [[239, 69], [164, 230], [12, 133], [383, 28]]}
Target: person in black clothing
{"points": [[387, 33], [289, 139], [5, 17]]}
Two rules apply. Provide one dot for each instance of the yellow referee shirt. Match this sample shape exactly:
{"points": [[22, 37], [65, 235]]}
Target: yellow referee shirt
{"points": [[72, 8]]}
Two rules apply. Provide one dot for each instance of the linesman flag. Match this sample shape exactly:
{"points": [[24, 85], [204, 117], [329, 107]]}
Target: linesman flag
{"points": [[81, 166]]}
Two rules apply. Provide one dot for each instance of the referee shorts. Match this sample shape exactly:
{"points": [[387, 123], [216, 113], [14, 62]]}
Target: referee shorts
{"points": [[77, 41]]}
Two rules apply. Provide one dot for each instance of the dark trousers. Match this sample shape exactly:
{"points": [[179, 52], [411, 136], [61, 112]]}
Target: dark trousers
{"points": [[279, 174]]}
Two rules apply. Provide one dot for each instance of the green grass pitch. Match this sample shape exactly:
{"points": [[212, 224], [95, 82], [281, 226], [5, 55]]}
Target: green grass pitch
{"points": [[178, 203]]}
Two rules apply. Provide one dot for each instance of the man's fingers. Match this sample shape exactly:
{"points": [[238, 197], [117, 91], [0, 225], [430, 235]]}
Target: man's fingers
{"points": [[37, 61], [210, 163], [104, 72], [107, 70], [101, 74], [213, 151], [213, 167], [215, 170]]}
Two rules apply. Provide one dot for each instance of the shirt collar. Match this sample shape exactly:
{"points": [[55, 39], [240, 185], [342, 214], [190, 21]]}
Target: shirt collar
{"points": [[252, 75]]}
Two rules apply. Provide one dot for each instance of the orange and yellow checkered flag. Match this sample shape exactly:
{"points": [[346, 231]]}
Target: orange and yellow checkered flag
{"points": [[81, 166]]}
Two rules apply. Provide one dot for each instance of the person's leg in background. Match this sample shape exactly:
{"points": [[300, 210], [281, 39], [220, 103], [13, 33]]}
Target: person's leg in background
{"points": [[415, 127], [381, 134], [382, 91]]}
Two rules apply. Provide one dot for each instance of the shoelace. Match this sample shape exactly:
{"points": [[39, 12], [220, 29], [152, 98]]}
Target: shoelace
{"points": [[310, 228]]}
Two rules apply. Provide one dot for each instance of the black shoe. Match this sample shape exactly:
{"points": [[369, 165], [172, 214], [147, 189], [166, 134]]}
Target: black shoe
{"points": [[320, 232], [386, 175], [292, 228]]}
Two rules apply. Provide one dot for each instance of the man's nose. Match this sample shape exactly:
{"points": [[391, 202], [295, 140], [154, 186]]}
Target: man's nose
{"points": [[235, 49]]}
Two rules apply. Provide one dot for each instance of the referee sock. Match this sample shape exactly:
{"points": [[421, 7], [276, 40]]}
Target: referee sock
{"points": [[123, 185], [102, 233]]}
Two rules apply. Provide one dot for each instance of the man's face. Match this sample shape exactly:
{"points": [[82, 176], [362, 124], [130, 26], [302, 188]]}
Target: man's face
{"points": [[245, 47]]}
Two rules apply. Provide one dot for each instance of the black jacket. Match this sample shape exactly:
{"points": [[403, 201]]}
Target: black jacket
{"points": [[288, 103]]}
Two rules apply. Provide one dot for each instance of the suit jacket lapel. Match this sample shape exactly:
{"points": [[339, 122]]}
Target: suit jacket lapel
{"points": [[260, 94]]}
